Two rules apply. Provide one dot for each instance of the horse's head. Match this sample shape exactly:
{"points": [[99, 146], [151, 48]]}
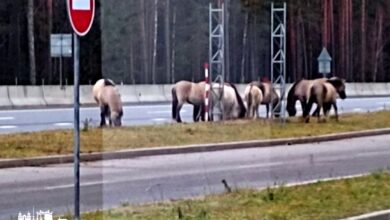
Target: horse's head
{"points": [[339, 84], [116, 118]]}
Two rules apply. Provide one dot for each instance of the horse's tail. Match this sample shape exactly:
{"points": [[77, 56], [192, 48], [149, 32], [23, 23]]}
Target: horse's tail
{"points": [[262, 88], [108, 82], [249, 104], [240, 102], [175, 102]]}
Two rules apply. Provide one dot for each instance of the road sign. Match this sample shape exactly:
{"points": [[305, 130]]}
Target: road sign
{"points": [[81, 14], [61, 45]]}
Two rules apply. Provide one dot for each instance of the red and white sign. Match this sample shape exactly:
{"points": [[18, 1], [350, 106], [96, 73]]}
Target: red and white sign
{"points": [[81, 14]]}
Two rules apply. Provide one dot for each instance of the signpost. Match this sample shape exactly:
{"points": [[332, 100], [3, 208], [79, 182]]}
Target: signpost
{"points": [[324, 61], [61, 46], [81, 14]]}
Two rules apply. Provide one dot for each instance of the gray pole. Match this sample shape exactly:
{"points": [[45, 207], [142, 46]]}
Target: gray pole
{"points": [[76, 147]]}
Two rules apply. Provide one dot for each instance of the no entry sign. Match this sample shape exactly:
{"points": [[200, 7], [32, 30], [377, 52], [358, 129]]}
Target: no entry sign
{"points": [[81, 14]]}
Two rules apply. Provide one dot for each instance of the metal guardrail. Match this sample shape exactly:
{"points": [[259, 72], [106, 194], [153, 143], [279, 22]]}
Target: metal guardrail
{"points": [[23, 96]]}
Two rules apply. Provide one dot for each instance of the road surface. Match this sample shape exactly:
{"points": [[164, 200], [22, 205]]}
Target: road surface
{"points": [[107, 184], [13, 121]]}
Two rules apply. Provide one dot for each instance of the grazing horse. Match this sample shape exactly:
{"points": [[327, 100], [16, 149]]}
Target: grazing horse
{"points": [[232, 103], [188, 92], [107, 96], [325, 94], [300, 91], [253, 97]]}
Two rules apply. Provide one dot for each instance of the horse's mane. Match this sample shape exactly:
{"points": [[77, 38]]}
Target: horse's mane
{"points": [[108, 82], [239, 100]]}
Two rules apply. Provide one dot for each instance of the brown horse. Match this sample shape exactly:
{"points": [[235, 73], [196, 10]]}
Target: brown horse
{"points": [[253, 97], [300, 91], [191, 93], [269, 95], [107, 96], [325, 94], [194, 93]]}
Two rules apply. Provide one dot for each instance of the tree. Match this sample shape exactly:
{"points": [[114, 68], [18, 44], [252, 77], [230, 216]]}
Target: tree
{"points": [[31, 41], [154, 61]]}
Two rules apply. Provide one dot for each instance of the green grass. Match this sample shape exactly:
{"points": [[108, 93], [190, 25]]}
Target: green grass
{"points": [[97, 140], [318, 201]]}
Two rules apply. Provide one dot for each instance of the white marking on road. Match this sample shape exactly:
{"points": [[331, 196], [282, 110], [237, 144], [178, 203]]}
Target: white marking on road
{"points": [[160, 119], [358, 110], [163, 112], [63, 124], [6, 118], [7, 126]]}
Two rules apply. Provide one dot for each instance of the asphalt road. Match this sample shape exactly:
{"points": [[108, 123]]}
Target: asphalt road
{"points": [[110, 183], [13, 121]]}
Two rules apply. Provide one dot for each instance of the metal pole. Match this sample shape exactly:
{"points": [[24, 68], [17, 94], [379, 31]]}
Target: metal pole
{"points": [[61, 72], [76, 147]]}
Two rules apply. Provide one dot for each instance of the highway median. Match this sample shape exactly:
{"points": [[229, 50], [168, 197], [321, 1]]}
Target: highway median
{"points": [[50, 147], [321, 200]]}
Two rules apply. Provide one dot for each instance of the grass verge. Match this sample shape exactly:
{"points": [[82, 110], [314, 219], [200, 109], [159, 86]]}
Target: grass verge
{"points": [[97, 140], [320, 201]]}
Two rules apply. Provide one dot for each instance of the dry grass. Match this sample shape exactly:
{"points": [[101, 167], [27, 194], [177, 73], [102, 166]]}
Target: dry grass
{"points": [[319, 201], [96, 140]]}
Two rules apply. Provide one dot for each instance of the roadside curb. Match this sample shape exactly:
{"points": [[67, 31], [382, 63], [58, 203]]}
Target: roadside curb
{"points": [[379, 215], [126, 154]]}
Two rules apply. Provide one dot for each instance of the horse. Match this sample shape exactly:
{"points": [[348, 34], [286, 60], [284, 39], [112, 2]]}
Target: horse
{"points": [[194, 93], [107, 96], [300, 91], [325, 95], [191, 93], [254, 97], [232, 103], [269, 96]]}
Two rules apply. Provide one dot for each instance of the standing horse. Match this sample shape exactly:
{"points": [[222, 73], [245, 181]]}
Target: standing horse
{"points": [[107, 96], [188, 92], [300, 91], [193, 93], [253, 97], [269, 96], [325, 95]]}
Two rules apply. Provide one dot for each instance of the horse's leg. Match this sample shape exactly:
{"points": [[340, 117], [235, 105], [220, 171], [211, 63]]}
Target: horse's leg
{"points": [[320, 105], [303, 105], [306, 112], [317, 111], [267, 109], [108, 111], [202, 112], [195, 115], [102, 116], [335, 111], [254, 112], [178, 108]]}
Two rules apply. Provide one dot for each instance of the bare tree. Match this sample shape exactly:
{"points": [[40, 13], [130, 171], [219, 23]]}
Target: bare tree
{"points": [[31, 41], [244, 45], [378, 40], [363, 41], [168, 39], [173, 43], [154, 64]]}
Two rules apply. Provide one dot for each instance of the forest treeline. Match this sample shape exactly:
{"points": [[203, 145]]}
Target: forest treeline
{"points": [[163, 41]]}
